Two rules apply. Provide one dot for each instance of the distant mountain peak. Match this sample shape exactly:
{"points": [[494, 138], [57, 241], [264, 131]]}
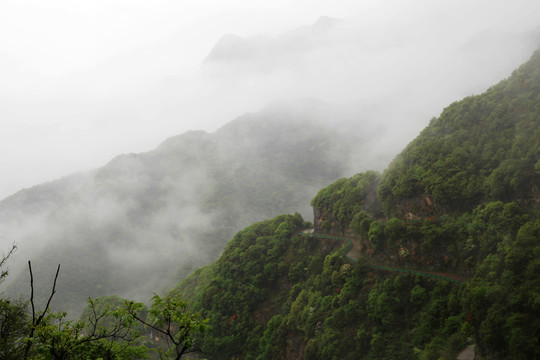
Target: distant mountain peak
{"points": [[229, 47], [234, 47]]}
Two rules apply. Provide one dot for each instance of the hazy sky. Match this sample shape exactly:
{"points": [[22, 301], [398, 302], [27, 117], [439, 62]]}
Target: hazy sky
{"points": [[83, 81]]}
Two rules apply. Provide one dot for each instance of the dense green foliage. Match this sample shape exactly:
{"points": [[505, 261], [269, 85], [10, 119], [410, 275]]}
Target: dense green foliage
{"points": [[344, 198], [461, 200], [482, 148], [170, 320], [14, 326], [240, 281], [110, 328], [275, 293], [504, 297]]}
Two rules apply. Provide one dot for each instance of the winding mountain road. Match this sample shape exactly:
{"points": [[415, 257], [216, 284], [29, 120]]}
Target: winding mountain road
{"points": [[353, 254]]}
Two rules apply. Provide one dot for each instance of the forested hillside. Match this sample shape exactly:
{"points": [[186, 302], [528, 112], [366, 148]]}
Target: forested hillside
{"points": [[460, 201], [482, 148], [276, 294], [145, 220], [439, 252], [428, 254]]}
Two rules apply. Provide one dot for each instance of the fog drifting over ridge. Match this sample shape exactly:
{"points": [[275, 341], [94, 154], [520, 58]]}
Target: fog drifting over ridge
{"points": [[84, 82], [144, 221]]}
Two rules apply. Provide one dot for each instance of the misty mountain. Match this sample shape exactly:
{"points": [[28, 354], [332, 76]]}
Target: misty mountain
{"points": [[236, 50], [380, 67], [438, 253], [348, 60], [144, 220], [351, 61]]}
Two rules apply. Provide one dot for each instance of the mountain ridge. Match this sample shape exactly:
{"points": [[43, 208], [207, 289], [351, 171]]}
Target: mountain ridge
{"points": [[276, 293], [162, 202]]}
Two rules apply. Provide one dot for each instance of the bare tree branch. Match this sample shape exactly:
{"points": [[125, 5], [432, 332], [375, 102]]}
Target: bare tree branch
{"points": [[32, 293], [147, 324], [35, 322], [53, 291]]}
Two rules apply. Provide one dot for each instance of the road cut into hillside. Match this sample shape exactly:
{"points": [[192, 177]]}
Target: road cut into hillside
{"points": [[353, 253]]}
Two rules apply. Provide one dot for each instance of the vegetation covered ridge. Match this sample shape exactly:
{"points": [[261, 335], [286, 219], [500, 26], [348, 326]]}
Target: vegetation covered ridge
{"points": [[483, 148], [462, 198], [277, 294]]}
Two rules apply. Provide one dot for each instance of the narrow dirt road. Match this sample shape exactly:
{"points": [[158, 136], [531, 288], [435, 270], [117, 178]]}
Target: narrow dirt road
{"points": [[353, 253], [467, 353]]}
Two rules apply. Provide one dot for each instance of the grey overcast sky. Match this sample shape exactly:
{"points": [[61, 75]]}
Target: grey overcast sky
{"points": [[82, 81]]}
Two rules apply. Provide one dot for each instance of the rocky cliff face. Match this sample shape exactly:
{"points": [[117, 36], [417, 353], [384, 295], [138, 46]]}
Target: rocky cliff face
{"points": [[418, 207], [324, 222]]}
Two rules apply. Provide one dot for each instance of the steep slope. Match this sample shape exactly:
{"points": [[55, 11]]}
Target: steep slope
{"points": [[480, 149], [145, 220], [462, 198], [275, 294]]}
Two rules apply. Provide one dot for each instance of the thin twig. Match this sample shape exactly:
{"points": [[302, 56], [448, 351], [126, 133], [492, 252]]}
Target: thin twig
{"points": [[147, 324], [6, 257], [32, 293]]}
